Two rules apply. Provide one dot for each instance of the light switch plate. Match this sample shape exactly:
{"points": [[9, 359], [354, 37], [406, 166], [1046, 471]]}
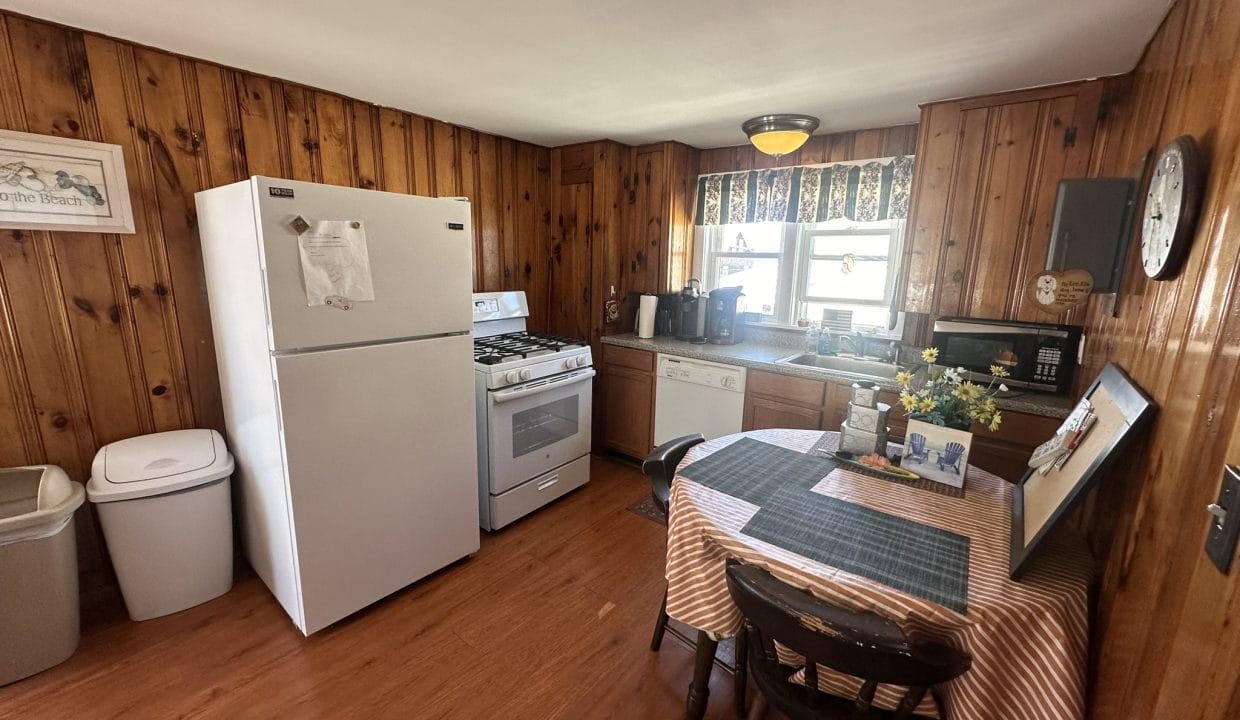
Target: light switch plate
{"points": [[1225, 530]]}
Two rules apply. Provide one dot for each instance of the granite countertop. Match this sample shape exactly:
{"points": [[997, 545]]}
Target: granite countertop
{"points": [[762, 353]]}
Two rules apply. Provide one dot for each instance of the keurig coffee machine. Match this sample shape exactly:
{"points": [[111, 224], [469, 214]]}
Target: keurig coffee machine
{"points": [[667, 315], [692, 313], [725, 319]]}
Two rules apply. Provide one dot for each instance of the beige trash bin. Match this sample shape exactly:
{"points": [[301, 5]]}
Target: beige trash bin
{"points": [[39, 619]]}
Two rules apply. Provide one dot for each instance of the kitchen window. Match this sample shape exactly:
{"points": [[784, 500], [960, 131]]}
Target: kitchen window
{"points": [[794, 271]]}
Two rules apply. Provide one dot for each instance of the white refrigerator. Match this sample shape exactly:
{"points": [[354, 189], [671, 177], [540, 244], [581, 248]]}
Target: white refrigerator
{"points": [[352, 421]]}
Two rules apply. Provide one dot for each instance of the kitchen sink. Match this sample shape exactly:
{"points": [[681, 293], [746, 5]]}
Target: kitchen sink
{"points": [[845, 364]]}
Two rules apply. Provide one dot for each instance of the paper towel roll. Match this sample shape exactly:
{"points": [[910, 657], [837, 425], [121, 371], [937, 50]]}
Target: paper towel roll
{"points": [[645, 315]]}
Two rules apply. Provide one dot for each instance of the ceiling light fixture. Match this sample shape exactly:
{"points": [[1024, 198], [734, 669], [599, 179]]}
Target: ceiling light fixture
{"points": [[779, 134]]}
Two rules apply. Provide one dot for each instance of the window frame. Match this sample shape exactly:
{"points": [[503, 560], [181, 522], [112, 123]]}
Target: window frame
{"points": [[785, 277], [795, 257], [807, 257]]}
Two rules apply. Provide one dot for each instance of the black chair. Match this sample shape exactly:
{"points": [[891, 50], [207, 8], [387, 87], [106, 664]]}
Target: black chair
{"points": [[863, 645], [660, 467]]}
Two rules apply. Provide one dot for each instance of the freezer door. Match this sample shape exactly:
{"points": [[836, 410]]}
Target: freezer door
{"points": [[421, 267], [382, 470]]}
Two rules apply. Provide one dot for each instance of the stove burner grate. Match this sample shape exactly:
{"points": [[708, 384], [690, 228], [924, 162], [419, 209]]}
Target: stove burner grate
{"points": [[497, 349]]}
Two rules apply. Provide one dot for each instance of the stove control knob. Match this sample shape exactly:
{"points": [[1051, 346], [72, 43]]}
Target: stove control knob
{"points": [[570, 363], [512, 376], [583, 360], [525, 374]]}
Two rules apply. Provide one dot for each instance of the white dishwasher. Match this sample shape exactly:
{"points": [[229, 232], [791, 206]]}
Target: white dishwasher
{"points": [[696, 396]]}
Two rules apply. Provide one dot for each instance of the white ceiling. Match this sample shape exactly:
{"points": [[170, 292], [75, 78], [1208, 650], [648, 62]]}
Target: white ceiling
{"points": [[561, 71]]}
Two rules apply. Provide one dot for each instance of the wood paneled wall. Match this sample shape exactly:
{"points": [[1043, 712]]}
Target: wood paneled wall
{"points": [[1168, 633], [108, 336], [835, 147], [984, 191]]}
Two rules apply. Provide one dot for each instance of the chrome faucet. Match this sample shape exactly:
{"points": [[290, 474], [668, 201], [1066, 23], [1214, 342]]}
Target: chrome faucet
{"points": [[856, 341]]}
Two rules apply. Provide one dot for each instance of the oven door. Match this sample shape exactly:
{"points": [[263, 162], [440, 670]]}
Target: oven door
{"points": [[537, 426]]}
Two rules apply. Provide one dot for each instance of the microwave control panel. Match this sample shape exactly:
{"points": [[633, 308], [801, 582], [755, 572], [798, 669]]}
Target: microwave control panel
{"points": [[1048, 362]]}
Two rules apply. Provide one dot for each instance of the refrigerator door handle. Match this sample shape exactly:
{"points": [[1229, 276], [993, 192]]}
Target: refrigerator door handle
{"points": [[504, 396]]}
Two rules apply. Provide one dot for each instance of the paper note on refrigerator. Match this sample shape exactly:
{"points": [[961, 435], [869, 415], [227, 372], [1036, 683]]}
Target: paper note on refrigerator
{"points": [[335, 263]]}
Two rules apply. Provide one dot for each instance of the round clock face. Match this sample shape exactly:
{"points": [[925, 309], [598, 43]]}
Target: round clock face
{"points": [[1170, 208]]}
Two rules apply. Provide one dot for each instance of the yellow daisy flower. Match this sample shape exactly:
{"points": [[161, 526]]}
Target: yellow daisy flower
{"points": [[994, 422], [904, 378], [908, 401], [967, 390], [998, 371], [926, 404], [930, 354]]}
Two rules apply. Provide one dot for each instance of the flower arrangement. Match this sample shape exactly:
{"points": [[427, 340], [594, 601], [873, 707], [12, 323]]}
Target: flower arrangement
{"points": [[947, 399]]}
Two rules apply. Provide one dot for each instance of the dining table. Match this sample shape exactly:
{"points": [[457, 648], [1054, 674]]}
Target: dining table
{"points": [[928, 556]]}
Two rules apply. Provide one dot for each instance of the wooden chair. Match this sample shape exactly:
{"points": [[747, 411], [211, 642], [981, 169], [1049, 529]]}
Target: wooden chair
{"points": [[863, 645], [660, 467]]}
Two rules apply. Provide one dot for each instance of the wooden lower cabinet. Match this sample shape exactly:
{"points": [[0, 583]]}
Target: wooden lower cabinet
{"points": [[1006, 452], [773, 400], [627, 411], [763, 412]]}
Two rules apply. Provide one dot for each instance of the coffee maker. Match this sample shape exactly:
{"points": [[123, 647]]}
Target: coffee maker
{"points": [[725, 317], [667, 314], [692, 313]]}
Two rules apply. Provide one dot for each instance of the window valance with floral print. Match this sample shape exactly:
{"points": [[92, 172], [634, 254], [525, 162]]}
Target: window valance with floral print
{"points": [[861, 191]]}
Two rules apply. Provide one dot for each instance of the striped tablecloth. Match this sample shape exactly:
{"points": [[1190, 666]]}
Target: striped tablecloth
{"points": [[1028, 639]]}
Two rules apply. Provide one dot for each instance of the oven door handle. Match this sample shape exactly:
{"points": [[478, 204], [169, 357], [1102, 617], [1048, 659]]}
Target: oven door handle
{"points": [[504, 396]]}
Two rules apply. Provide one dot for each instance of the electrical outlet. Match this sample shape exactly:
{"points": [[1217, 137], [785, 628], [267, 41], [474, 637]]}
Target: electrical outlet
{"points": [[1225, 520]]}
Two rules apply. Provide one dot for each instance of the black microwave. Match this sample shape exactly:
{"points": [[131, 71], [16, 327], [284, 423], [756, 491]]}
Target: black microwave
{"points": [[1036, 356]]}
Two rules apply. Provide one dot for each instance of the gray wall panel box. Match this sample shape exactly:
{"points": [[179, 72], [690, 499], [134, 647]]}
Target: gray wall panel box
{"points": [[1092, 227]]}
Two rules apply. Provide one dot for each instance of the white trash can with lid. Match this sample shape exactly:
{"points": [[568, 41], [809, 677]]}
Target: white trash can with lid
{"points": [[38, 570], [165, 506]]}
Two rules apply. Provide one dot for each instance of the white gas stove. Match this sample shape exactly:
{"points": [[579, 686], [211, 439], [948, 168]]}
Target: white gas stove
{"points": [[533, 394]]}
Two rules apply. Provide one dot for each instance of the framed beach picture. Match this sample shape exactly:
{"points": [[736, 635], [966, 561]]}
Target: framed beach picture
{"points": [[55, 183], [937, 453]]}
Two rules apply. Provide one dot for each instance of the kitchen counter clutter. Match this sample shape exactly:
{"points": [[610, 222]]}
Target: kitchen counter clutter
{"points": [[784, 395]]}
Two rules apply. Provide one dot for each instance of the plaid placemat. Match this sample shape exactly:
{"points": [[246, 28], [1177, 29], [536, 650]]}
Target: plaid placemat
{"points": [[752, 470], [830, 441], [903, 554]]}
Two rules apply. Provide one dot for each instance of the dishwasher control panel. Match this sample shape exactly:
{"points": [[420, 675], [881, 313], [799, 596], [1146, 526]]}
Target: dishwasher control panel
{"points": [[702, 372]]}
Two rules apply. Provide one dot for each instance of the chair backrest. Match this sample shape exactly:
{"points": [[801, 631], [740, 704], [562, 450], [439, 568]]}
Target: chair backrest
{"points": [[660, 466], [863, 645], [918, 441], [954, 451]]}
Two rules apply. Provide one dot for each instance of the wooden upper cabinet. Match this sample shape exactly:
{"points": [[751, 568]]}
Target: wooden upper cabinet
{"points": [[984, 187], [660, 191], [587, 230], [622, 218]]}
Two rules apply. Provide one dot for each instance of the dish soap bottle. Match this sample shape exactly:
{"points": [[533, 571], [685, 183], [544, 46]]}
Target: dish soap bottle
{"points": [[824, 342]]}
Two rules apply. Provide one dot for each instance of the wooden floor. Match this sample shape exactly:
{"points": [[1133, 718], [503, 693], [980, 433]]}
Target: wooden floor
{"points": [[551, 619]]}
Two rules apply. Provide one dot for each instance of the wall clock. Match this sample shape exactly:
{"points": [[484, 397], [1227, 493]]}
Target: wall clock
{"points": [[1171, 206]]}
